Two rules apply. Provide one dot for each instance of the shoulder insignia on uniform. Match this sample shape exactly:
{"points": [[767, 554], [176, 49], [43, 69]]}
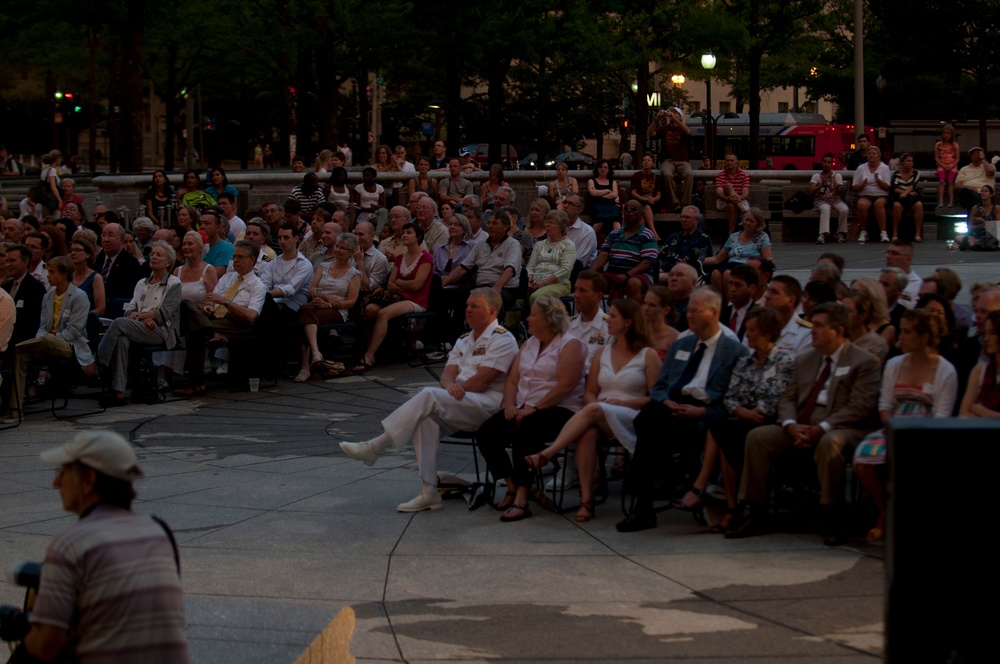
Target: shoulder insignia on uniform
{"points": [[605, 316], [465, 335], [574, 316], [499, 329], [804, 323]]}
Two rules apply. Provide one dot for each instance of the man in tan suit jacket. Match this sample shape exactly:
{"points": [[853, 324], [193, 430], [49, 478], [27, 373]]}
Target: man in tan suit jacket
{"points": [[828, 407]]}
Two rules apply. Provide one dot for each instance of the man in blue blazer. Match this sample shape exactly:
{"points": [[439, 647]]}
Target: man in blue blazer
{"points": [[692, 382]]}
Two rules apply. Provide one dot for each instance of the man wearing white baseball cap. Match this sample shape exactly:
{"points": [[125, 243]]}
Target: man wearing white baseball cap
{"points": [[110, 587]]}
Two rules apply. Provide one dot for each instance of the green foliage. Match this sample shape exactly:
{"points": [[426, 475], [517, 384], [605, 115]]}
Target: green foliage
{"points": [[543, 74]]}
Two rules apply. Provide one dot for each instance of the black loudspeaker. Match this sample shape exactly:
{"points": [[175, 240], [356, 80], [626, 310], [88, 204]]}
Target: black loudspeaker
{"points": [[941, 570]]}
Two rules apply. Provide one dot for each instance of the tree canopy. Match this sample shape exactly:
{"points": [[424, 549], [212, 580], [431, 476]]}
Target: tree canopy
{"points": [[540, 74]]}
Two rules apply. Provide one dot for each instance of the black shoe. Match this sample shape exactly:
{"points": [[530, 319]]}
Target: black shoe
{"points": [[636, 521], [834, 538], [752, 527], [111, 401]]}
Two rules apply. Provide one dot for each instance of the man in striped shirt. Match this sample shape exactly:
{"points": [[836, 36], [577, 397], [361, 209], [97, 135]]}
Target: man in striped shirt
{"points": [[628, 256], [110, 588], [732, 186]]}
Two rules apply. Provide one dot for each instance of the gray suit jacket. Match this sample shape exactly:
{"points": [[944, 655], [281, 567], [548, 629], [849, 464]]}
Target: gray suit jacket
{"points": [[852, 395], [72, 326]]}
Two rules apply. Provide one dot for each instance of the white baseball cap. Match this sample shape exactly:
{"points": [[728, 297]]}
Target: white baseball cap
{"points": [[104, 451]]}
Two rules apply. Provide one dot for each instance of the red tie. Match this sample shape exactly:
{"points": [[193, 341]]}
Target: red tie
{"points": [[733, 320], [806, 412]]}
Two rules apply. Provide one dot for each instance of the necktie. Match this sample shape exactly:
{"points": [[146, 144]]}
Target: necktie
{"points": [[689, 372], [733, 320], [14, 287], [805, 413], [107, 268], [222, 310]]}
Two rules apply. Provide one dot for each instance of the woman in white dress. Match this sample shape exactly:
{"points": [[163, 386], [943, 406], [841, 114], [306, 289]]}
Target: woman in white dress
{"points": [[627, 369]]}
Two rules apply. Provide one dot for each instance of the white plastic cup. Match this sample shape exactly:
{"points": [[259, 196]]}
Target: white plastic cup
{"points": [[254, 384]]}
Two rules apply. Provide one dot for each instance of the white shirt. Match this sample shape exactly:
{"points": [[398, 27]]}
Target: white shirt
{"points": [[796, 336], [250, 294], [292, 277], [495, 348], [726, 332], [865, 175], [42, 274], [539, 373], [376, 267], [594, 333], [585, 239], [696, 388], [908, 298], [823, 397], [236, 228]]}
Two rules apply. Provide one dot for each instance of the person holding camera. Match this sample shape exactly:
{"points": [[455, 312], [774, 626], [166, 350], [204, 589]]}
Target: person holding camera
{"points": [[675, 152]]}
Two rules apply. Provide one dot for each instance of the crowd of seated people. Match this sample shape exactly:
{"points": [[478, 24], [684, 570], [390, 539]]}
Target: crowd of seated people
{"points": [[758, 367]]}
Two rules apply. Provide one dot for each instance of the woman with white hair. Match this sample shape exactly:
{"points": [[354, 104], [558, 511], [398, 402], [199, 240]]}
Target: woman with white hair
{"points": [[152, 317], [543, 391], [552, 259], [197, 280]]}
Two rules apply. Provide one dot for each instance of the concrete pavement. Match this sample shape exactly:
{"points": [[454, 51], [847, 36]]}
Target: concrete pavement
{"points": [[279, 531]]}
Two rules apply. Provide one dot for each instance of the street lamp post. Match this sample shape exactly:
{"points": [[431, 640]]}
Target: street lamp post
{"points": [[708, 64]]}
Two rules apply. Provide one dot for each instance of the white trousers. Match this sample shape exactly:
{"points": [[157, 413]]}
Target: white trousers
{"points": [[433, 413], [824, 216]]}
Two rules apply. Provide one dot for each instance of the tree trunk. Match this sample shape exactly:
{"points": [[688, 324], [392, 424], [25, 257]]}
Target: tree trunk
{"points": [[755, 57], [453, 102], [92, 45], [495, 111], [641, 122], [114, 95], [361, 156], [329, 97], [172, 108], [306, 106], [981, 104], [132, 115]]}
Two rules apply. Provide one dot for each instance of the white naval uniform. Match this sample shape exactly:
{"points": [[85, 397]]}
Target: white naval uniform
{"points": [[796, 337], [433, 412], [593, 333]]}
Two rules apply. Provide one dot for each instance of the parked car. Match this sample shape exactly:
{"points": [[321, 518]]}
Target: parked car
{"points": [[530, 162], [481, 154], [576, 161]]}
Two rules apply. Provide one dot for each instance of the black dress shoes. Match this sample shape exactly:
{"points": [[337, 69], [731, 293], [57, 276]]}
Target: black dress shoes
{"points": [[636, 521], [834, 538]]}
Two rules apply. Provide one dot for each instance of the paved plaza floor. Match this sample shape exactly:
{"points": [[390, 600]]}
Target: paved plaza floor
{"points": [[279, 531]]}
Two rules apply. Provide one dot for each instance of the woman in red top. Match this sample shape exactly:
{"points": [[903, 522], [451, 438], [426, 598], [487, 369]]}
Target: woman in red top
{"points": [[408, 291]]}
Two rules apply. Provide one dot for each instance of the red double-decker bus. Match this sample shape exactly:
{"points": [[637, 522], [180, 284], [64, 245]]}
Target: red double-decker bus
{"points": [[793, 141]]}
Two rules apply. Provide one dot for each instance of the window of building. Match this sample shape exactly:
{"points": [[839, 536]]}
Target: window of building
{"points": [[809, 107], [694, 106], [782, 106], [725, 107]]}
